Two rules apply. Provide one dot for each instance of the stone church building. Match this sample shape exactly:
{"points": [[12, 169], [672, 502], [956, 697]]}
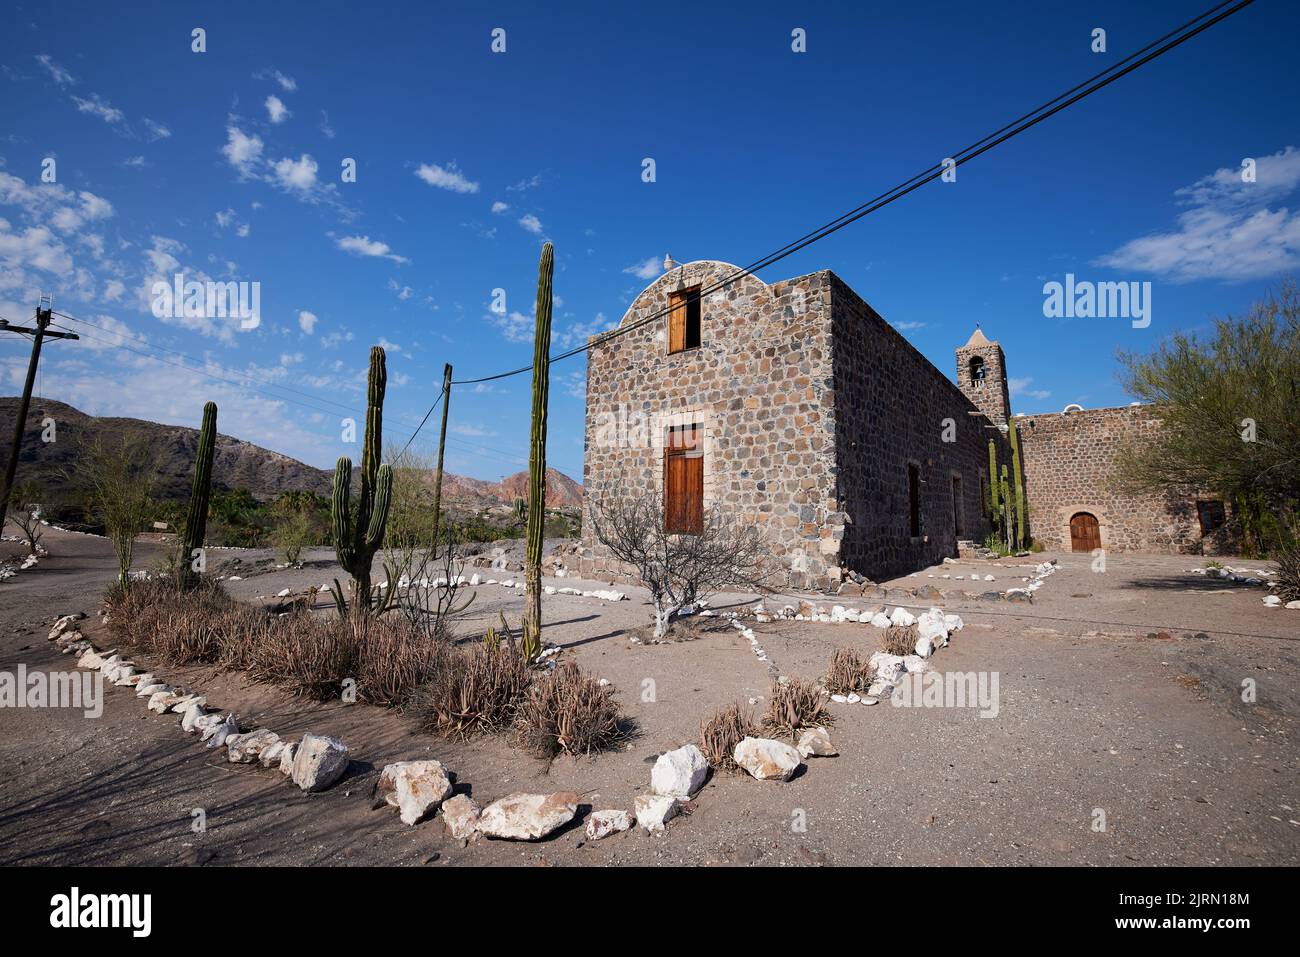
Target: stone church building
{"points": [[796, 408]]}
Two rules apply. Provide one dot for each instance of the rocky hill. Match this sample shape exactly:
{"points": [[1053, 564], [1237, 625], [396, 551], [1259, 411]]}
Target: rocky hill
{"points": [[237, 464]]}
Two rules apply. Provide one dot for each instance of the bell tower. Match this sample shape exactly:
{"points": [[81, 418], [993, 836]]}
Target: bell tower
{"points": [[982, 376]]}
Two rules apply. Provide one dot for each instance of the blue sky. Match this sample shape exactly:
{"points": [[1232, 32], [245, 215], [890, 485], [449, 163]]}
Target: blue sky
{"points": [[226, 165]]}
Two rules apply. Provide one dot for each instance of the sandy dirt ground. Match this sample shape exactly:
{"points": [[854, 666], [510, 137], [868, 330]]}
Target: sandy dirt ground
{"points": [[1119, 691]]}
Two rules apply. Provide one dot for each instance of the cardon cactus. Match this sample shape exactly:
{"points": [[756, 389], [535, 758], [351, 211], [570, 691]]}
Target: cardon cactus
{"points": [[537, 453], [1005, 508], [196, 521], [520, 509], [995, 516], [1019, 487], [357, 537]]}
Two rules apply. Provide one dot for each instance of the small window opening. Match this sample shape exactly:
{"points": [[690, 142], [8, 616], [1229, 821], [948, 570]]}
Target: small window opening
{"points": [[914, 498], [684, 319], [957, 523], [977, 372]]}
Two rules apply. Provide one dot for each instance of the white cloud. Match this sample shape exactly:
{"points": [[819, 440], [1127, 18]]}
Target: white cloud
{"points": [[325, 125], [908, 326], [307, 321], [297, 175], [471, 431], [1229, 231], [60, 75], [365, 246], [531, 223], [241, 150], [500, 207], [157, 131], [403, 292], [448, 177], [1019, 387], [35, 247], [515, 326], [578, 333], [388, 346], [646, 269], [276, 109], [98, 106], [523, 184], [113, 290]]}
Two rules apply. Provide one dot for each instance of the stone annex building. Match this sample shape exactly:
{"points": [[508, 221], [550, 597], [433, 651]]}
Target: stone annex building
{"points": [[795, 407]]}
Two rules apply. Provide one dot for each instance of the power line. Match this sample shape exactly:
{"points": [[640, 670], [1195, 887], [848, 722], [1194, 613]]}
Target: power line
{"points": [[1026, 121]]}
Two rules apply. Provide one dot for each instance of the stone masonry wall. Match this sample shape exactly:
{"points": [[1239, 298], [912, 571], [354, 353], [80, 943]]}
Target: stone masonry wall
{"points": [[757, 385], [1069, 458], [891, 409]]}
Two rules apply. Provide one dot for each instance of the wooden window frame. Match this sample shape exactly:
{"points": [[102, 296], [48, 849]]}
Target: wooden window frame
{"points": [[681, 304], [684, 462]]}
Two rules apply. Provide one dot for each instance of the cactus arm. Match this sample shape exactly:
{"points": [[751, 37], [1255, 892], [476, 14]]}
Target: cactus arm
{"points": [[537, 447], [1019, 486], [379, 514], [340, 513]]}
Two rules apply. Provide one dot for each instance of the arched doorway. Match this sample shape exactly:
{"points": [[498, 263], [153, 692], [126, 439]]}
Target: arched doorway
{"points": [[1085, 532]]}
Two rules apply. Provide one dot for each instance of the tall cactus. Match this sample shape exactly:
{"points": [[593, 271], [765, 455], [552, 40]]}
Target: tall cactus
{"points": [[995, 517], [1008, 519], [1019, 487], [537, 453], [520, 509], [357, 538], [196, 521]]}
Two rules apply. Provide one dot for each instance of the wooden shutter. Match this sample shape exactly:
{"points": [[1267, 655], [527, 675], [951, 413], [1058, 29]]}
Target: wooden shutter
{"points": [[676, 322], [693, 505]]}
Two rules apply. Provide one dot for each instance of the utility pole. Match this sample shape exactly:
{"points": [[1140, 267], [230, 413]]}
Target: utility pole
{"points": [[442, 445], [43, 318]]}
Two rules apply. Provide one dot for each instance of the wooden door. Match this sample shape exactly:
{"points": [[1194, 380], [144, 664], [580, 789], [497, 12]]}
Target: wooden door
{"points": [[684, 481], [1085, 533]]}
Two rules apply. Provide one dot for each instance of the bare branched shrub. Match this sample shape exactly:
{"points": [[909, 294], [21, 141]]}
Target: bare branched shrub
{"points": [[569, 711], [848, 672], [722, 731], [474, 690], [794, 705], [25, 512], [899, 640], [677, 569]]}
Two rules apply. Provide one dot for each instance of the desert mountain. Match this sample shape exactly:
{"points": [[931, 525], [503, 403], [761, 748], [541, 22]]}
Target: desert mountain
{"points": [[237, 464]]}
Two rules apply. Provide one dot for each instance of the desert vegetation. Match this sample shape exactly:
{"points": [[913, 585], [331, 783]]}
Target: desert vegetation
{"points": [[679, 570]]}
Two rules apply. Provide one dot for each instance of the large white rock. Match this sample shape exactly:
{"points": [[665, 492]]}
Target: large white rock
{"points": [[90, 659], [461, 815], [888, 667], [601, 824], [1272, 600], [528, 817], [247, 748], [163, 700], [319, 762], [62, 625], [902, 616], [932, 625], [767, 759], [653, 810], [217, 731], [190, 717], [880, 620], [286, 758], [679, 773], [816, 742], [147, 689], [415, 788]]}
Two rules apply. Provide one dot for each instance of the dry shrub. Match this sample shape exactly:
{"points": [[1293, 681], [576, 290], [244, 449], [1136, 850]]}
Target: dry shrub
{"points": [[848, 672], [311, 655], [722, 731], [1287, 556], [474, 690], [568, 711], [899, 640], [794, 705]]}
